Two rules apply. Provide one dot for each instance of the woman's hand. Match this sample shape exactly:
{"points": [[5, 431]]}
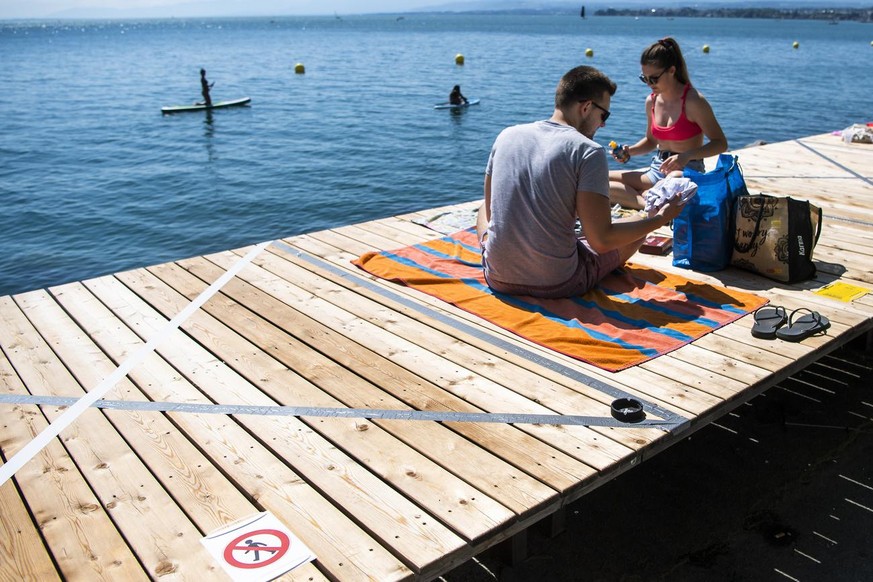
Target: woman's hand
{"points": [[674, 163], [622, 154]]}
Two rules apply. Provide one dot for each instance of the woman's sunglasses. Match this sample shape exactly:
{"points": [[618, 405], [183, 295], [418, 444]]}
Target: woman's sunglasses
{"points": [[653, 80]]}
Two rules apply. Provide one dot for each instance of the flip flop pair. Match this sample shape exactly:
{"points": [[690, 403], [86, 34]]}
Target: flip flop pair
{"points": [[773, 322]]}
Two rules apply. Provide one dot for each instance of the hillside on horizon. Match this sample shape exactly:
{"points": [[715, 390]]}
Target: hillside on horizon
{"points": [[590, 7], [269, 8]]}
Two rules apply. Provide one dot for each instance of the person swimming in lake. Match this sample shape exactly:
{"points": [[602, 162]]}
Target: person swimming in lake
{"points": [[204, 88], [678, 118], [455, 97]]}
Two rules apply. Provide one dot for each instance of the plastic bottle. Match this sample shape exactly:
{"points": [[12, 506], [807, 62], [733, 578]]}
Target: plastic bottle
{"points": [[619, 152]]}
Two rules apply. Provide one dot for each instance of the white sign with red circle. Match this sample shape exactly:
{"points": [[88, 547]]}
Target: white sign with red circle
{"points": [[257, 548]]}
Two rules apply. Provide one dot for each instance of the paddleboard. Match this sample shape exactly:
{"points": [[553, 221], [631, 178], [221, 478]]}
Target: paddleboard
{"points": [[459, 106], [201, 107]]}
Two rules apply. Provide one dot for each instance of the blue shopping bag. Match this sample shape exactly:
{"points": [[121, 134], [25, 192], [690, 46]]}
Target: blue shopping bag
{"points": [[703, 233]]}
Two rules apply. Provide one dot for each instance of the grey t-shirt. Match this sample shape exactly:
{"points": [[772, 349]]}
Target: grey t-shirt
{"points": [[536, 170]]}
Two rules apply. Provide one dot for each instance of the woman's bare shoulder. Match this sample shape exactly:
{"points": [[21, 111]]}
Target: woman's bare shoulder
{"points": [[650, 99], [694, 95], [695, 100]]}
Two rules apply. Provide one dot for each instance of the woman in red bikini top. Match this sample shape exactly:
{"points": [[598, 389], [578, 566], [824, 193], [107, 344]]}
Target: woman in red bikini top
{"points": [[679, 118]]}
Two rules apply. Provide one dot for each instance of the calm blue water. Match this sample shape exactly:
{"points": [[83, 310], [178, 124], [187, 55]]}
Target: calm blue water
{"points": [[95, 180]]}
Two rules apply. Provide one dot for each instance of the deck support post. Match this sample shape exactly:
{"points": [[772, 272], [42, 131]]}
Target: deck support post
{"points": [[556, 523], [513, 551]]}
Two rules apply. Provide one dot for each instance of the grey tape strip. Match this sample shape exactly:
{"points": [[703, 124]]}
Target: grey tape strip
{"points": [[837, 164], [850, 171], [513, 348], [849, 220], [317, 411], [56, 426]]}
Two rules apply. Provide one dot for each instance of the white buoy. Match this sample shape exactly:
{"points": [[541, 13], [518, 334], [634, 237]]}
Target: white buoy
{"points": [[706, 48], [796, 44]]}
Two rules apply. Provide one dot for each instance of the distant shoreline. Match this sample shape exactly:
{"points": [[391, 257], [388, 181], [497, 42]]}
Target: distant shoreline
{"points": [[831, 15], [828, 14]]}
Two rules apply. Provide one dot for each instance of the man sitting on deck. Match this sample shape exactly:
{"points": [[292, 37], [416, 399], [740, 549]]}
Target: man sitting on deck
{"points": [[540, 177]]}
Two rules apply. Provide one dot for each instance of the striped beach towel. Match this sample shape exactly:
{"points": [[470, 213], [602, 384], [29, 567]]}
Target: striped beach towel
{"points": [[635, 314]]}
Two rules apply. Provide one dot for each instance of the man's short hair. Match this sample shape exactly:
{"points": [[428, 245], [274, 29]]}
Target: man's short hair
{"points": [[582, 83]]}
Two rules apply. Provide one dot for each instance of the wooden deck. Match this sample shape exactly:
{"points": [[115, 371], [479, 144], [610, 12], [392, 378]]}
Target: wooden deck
{"points": [[127, 493]]}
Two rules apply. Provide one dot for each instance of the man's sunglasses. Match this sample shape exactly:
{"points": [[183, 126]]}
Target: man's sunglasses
{"points": [[605, 112]]}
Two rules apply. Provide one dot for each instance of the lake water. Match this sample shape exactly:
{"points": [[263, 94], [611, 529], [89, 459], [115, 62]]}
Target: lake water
{"points": [[95, 180]]}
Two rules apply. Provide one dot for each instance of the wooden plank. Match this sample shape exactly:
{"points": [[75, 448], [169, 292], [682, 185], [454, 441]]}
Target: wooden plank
{"points": [[340, 546], [188, 475], [196, 484], [398, 387], [161, 536], [468, 510], [834, 230], [459, 380], [80, 536], [335, 475], [22, 553], [516, 379], [341, 388]]}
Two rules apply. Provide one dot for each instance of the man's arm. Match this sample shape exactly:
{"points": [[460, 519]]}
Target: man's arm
{"points": [[604, 235], [484, 215]]}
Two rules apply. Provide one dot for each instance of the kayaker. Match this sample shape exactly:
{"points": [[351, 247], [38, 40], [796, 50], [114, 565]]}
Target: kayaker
{"points": [[455, 97]]}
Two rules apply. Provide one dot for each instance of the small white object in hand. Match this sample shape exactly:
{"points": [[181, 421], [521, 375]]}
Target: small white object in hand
{"points": [[668, 189]]}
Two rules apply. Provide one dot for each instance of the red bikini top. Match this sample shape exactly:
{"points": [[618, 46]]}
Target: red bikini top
{"points": [[681, 130]]}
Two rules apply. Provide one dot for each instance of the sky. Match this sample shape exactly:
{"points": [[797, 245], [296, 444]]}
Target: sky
{"points": [[134, 8], [197, 8]]}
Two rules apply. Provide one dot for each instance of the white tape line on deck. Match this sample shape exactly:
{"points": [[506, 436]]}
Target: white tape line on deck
{"points": [[39, 442]]}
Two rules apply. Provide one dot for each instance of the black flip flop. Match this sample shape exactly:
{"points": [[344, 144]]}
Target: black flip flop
{"points": [[768, 319], [809, 324]]}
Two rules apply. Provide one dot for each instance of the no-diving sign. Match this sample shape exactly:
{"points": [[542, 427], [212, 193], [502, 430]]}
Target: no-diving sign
{"points": [[257, 548]]}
